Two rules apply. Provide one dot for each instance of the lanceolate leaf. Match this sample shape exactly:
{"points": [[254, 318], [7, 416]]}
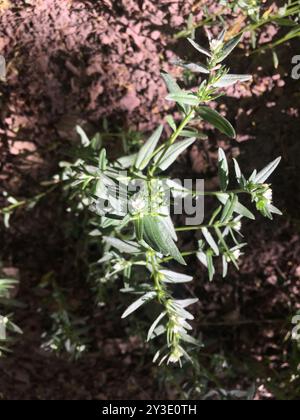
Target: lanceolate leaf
{"points": [[173, 277], [85, 141], [210, 265], [238, 207], [223, 170], [173, 87], [184, 98], [138, 303], [127, 161], [171, 83], [145, 153], [210, 240], [128, 247], [231, 79], [238, 171], [193, 67], [167, 220], [166, 160], [229, 47], [263, 175], [199, 48], [154, 325], [159, 238], [216, 119]]}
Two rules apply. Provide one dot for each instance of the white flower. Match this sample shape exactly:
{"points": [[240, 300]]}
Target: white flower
{"points": [[175, 356], [138, 204], [4, 320], [268, 195], [236, 255], [238, 226]]}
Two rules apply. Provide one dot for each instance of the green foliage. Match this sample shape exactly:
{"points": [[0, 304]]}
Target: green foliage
{"points": [[68, 333], [255, 15], [139, 241]]}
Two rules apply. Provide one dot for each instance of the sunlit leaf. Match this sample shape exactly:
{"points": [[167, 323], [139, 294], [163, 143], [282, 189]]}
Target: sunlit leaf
{"points": [[184, 98], [216, 119], [229, 47], [159, 238], [223, 170], [231, 79], [146, 151], [199, 48], [138, 303], [173, 277], [166, 159], [263, 175]]}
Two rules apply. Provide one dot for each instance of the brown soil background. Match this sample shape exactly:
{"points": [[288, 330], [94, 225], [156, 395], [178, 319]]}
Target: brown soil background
{"points": [[75, 62]]}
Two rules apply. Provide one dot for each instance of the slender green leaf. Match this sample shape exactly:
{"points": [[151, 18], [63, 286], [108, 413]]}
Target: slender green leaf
{"points": [[263, 175], [229, 209], [154, 325], [225, 266], [184, 98], [210, 240], [237, 169], [229, 47], [159, 238], [138, 303], [128, 247], [145, 153], [184, 303], [189, 339], [193, 67], [173, 87], [171, 122], [173, 277], [231, 79], [127, 161], [199, 48], [210, 266], [166, 159], [223, 170], [102, 160], [85, 141], [238, 208], [216, 119]]}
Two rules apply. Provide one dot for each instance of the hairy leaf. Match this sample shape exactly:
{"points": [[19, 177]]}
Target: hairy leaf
{"points": [[159, 238]]}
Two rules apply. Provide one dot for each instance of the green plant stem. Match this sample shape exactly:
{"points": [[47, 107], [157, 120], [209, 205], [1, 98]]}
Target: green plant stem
{"points": [[184, 254], [23, 203], [210, 193], [171, 140], [198, 227]]}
